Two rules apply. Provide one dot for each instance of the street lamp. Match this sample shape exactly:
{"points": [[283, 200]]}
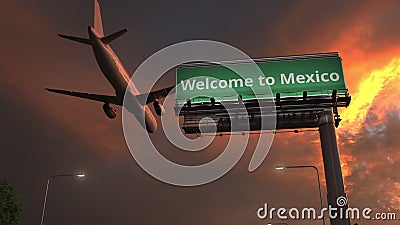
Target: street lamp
{"points": [[79, 175], [319, 183]]}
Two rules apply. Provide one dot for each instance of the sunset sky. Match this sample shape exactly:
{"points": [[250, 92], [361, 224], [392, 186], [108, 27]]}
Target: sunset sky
{"points": [[45, 134]]}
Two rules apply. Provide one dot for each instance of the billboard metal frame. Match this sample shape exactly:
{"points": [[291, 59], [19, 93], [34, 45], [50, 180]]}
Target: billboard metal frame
{"points": [[291, 112]]}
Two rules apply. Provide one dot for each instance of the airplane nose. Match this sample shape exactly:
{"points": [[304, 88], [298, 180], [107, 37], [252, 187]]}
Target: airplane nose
{"points": [[151, 124], [150, 120], [151, 129]]}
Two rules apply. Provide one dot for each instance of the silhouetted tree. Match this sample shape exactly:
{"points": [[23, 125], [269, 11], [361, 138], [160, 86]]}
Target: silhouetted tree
{"points": [[10, 204]]}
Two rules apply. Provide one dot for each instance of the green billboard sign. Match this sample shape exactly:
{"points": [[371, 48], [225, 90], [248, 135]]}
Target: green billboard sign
{"points": [[318, 74]]}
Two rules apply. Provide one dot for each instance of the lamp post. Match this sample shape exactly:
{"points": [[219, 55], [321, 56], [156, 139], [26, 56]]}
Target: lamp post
{"points": [[319, 183], [79, 175]]}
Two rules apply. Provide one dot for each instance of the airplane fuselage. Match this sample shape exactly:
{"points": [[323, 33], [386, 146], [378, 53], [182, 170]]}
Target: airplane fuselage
{"points": [[116, 74]]}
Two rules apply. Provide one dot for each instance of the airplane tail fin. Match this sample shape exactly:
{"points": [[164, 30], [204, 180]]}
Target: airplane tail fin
{"points": [[110, 38], [77, 39], [98, 27], [97, 23]]}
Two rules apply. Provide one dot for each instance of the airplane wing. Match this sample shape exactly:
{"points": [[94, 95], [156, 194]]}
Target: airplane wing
{"points": [[95, 97], [162, 93]]}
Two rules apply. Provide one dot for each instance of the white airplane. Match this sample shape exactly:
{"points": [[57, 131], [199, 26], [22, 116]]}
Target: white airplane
{"points": [[118, 77]]}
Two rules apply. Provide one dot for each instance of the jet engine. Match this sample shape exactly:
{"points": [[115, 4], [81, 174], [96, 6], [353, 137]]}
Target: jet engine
{"points": [[109, 111], [158, 107]]}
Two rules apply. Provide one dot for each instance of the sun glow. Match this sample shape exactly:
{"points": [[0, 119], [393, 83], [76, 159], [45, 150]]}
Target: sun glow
{"points": [[375, 94], [370, 87]]}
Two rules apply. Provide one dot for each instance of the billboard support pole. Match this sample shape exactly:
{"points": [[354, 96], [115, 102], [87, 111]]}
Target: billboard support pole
{"points": [[333, 171]]}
